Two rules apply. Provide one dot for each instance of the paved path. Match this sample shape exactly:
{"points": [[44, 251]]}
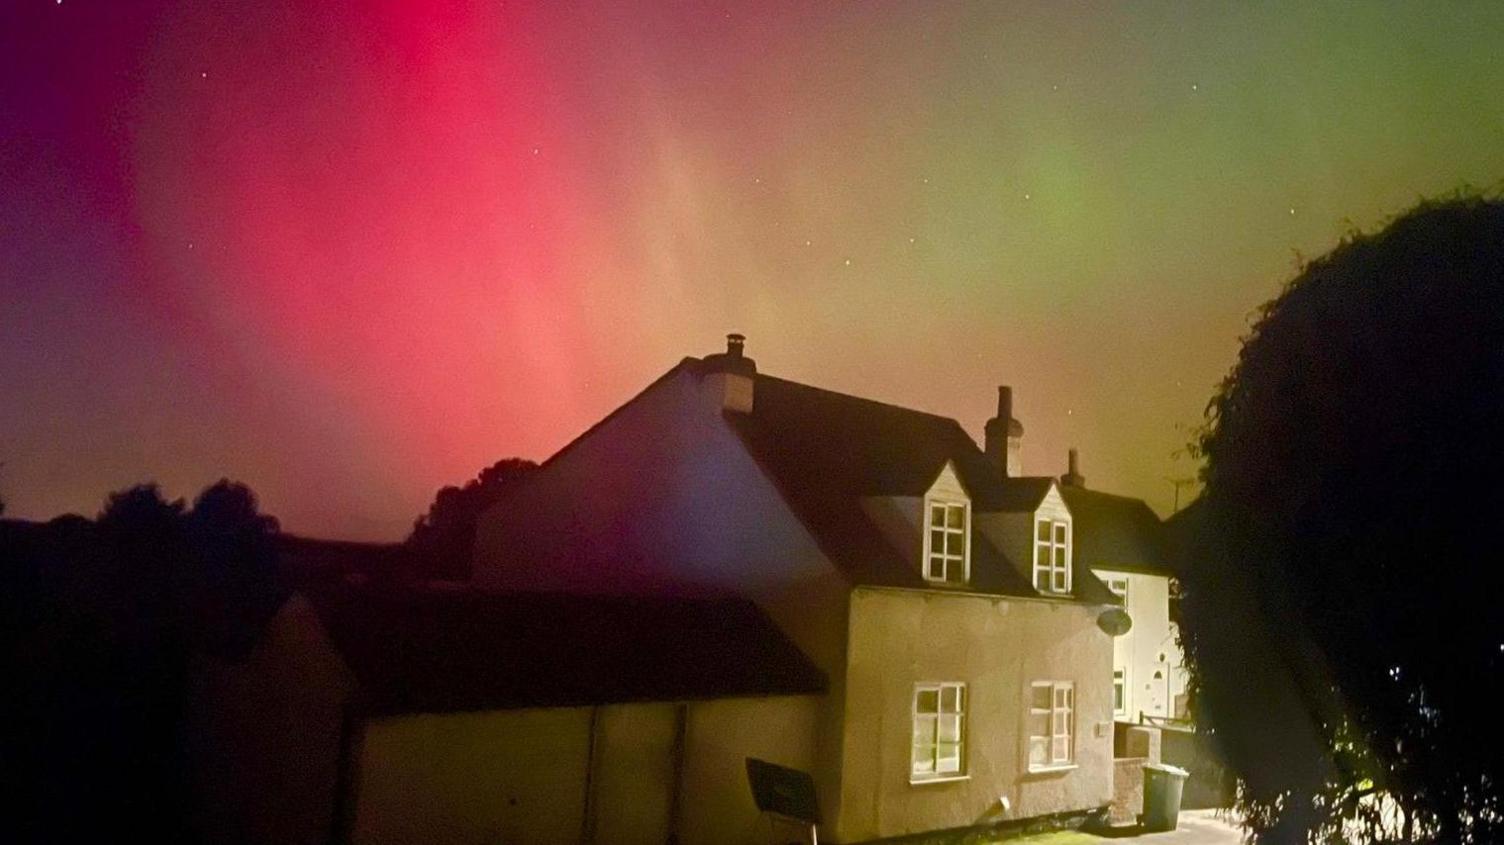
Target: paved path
{"points": [[1197, 827]]}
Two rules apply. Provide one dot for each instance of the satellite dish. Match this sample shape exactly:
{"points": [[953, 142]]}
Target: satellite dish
{"points": [[1115, 621]]}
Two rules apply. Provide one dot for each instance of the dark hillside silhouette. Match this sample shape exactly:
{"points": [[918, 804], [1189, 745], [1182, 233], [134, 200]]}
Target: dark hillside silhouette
{"points": [[1343, 565]]}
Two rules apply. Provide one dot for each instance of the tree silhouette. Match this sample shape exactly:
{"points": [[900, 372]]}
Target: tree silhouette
{"points": [[1342, 568], [443, 539], [236, 589], [101, 618]]}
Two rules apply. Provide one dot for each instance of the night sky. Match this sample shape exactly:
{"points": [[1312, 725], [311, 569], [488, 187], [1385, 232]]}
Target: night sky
{"points": [[348, 253]]}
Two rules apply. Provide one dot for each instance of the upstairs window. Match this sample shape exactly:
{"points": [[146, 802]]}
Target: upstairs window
{"points": [[1052, 724], [947, 558], [1052, 555], [939, 731]]}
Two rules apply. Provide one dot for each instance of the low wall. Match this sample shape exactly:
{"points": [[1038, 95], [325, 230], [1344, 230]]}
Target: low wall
{"points": [[1127, 790]]}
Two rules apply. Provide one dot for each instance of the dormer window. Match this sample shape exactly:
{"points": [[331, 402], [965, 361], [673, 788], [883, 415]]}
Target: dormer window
{"points": [[947, 553], [1052, 555]]}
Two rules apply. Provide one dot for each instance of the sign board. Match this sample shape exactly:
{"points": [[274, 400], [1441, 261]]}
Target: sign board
{"points": [[787, 792]]}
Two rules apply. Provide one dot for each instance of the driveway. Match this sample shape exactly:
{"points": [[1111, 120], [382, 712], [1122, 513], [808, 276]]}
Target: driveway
{"points": [[1197, 827]]}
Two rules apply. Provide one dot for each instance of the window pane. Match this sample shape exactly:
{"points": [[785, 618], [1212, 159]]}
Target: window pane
{"points": [[949, 729], [936, 568], [948, 758], [1038, 749], [955, 517], [1040, 697], [950, 699], [937, 515], [937, 541], [924, 759], [927, 700], [1059, 750], [1039, 724], [1060, 533], [1042, 530], [1057, 580]]}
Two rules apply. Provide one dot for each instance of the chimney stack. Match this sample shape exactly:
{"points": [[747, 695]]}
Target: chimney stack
{"points": [[730, 375], [1004, 437], [1073, 477]]}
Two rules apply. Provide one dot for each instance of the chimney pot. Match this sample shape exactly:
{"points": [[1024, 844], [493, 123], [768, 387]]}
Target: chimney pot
{"points": [[734, 344], [1004, 435], [1073, 477]]}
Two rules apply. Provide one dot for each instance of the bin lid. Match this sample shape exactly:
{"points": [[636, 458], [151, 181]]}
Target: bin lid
{"points": [[1167, 769]]}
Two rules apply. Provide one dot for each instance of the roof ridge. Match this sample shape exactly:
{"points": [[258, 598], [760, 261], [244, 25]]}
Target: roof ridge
{"points": [[851, 396]]}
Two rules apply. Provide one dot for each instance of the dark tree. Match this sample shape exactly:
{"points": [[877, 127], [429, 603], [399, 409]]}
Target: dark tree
{"points": [[100, 621], [236, 586], [1343, 566], [443, 539]]}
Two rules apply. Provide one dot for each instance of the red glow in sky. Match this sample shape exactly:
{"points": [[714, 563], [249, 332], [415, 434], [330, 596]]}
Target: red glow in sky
{"points": [[350, 252]]}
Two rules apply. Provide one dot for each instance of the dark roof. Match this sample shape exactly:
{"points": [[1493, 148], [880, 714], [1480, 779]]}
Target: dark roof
{"points": [[1022, 494], [433, 651], [827, 451], [1117, 532]]}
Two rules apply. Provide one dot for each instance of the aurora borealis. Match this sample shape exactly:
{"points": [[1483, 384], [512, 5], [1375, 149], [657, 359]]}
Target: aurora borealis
{"points": [[350, 252]]}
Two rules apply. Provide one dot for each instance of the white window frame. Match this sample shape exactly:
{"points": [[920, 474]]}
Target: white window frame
{"points": [[1058, 743], [1113, 582], [930, 726], [947, 557], [1120, 690], [1056, 562]]}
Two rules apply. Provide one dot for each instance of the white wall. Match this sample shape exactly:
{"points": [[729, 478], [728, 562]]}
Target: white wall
{"points": [[513, 776], [1149, 647], [521, 776], [998, 646], [717, 807]]}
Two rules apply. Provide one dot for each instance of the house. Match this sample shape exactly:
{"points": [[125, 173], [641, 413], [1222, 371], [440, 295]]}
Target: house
{"points": [[1124, 543], [965, 645], [443, 714]]}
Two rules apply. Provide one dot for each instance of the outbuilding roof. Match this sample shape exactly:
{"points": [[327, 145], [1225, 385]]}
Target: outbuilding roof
{"points": [[448, 650]]}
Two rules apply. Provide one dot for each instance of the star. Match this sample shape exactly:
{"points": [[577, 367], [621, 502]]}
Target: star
{"points": [[806, 243], [1292, 211], [1195, 87], [911, 240], [1028, 196], [202, 74], [535, 150], [848, 262]]}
